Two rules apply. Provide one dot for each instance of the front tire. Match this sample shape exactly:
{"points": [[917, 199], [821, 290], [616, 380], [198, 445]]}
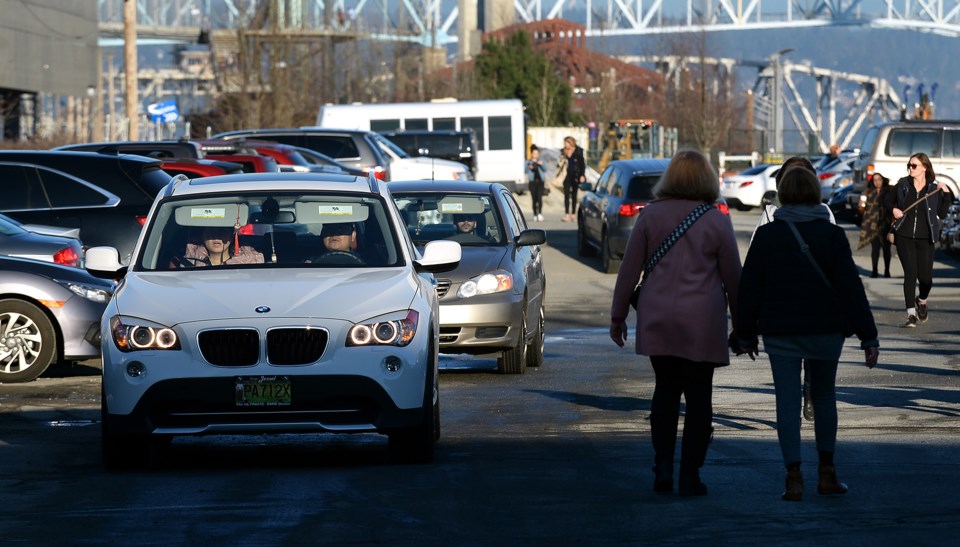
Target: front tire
{"points": [[535, 350], [513, 360], [28, 341]]}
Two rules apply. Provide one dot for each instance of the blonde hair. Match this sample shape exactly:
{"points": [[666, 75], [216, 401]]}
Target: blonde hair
{"points": [[689, 176]]}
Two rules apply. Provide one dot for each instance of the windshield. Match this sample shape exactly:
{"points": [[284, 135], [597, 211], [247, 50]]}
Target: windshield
{"points": [[389, 145], [261, 230], [470, 219]]}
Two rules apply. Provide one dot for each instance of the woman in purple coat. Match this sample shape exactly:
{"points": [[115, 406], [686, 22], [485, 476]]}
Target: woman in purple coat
{"points": [[681, 311]]}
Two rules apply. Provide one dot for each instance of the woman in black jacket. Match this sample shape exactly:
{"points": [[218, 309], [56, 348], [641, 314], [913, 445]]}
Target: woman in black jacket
{"points": [[917, 230], [804, 298], [576, 171]]}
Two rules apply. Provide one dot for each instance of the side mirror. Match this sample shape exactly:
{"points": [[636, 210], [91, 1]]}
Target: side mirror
{"points": [[104, 262], [531, 236], [439, 256]]}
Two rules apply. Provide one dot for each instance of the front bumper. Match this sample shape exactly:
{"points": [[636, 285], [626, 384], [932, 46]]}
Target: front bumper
{"points": [[481, 324]]}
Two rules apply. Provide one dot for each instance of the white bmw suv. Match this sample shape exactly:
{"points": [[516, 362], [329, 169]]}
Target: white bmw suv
{"points": [[266, 303]]}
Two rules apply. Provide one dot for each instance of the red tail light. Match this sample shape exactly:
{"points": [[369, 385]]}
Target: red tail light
{"points": [[723, 208], [141, 220], [631, 209], [379, 172], [246, 230], [745, 184], [822, 176], [67, 256]]}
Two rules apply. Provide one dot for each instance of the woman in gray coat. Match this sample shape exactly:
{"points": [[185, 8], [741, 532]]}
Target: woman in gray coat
{"points": [[681, 311]]}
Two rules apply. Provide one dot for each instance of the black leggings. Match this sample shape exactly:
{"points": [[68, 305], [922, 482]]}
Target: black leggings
{"points": [[675, 377], [875, 245], [536, 193], [916, 257], [570, 196]]}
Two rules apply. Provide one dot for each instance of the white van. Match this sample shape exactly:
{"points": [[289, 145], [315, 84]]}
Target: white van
{"points": [[499, 126]]}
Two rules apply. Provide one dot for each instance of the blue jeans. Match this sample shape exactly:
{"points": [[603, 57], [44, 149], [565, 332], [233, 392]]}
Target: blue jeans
{"points": [[789, 391]]}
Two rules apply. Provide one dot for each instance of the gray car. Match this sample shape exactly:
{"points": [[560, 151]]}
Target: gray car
{"points": [[48, 312], [494, 300], [47, 243]]}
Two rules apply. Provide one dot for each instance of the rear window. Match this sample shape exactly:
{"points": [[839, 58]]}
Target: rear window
{"points": [[642, 187], [907, 142], [754, 170]]}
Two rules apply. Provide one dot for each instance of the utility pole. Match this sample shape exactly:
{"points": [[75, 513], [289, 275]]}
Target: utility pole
{"points": [[130, 64]]}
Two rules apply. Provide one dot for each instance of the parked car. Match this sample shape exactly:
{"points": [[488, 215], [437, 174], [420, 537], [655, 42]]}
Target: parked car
{"points": [[150, 149], [38, 243], [194, 168], [950, 231], [835, 174], [364, 150], [608, 209], [746, 189], [285, 343], [887, 148], [450, 145], [107, 197], [494, 300], [48, 312], [323, 160]]}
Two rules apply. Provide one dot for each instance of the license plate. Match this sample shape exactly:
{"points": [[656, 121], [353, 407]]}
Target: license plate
{"points": [[263, 391]]}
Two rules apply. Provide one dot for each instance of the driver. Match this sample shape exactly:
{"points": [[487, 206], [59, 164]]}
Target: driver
{"points": [[467, 229], [339, 237]]}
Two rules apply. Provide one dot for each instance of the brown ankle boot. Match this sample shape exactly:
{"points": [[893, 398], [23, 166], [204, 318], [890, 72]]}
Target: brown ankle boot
{"points": [[829, 485], [794, 491]]}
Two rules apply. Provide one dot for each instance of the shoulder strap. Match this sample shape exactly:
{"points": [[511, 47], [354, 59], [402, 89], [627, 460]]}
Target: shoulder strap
{"points": [[674, 236], [805, 249]]}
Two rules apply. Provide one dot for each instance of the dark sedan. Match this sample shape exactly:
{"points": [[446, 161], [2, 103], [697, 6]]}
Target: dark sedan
{"points": [[47, 312], [46, 243], [494, 300], [608, 209]]}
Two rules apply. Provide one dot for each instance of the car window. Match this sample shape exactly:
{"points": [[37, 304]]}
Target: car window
{"points": [[501, 138], [907, 142], [430, 216], [21, 188], [755, 170], [280, 230], [601, 187], [476, 125], [445, 124], [951, 143], [414, 124], [641, 187], [611, 183], [388, 144], [385, 125], [337, 147], [519, 223], [68, 192]]}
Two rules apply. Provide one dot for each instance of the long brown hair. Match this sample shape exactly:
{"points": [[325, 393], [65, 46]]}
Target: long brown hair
{"points": [[929, 175], [689, 176]]}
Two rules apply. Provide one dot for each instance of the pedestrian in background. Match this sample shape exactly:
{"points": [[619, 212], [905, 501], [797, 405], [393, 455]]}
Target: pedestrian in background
{"points": [[681, 310], [535, 170], [801, 291], [875, 223], [576, 171], [917, 204]]}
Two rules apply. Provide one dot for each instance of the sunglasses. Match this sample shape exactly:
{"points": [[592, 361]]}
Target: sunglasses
{"points": [[912, 165]]}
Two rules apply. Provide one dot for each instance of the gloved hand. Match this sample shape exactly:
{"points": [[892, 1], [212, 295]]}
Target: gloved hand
{"points": [[739, 347], [871, 356]]}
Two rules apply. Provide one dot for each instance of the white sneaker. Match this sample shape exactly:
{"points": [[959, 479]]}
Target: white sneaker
{"points": [[540, 218]]}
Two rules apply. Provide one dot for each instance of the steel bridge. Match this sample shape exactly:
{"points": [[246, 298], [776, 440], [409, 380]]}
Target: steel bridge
{"points": [[433, 22]]}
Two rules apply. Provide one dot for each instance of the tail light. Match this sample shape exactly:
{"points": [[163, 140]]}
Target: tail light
{"points": [[822, 176], [870, 169], [631, 209], [379, 172], [141, 220], [67, 256], [746, 183], [723, 208]]}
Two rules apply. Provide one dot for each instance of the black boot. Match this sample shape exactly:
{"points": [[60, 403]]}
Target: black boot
{"points": [[690, 483], [663, 478]]}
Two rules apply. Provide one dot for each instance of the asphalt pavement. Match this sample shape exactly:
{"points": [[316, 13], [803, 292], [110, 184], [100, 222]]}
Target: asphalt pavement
{"points": [[898, 443]]}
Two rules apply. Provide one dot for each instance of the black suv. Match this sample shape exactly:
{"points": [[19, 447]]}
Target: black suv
{"points": [[107, 197], [452, 145]]}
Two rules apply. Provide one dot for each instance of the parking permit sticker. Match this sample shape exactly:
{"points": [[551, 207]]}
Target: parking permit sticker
{"points": [[208, 212], [451, 207], [335, 210]]}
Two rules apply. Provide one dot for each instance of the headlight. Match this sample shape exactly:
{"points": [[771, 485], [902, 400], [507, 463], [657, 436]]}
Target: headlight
{"points": [[95, 294], [137, 334], [388, 332], [488, 283]]}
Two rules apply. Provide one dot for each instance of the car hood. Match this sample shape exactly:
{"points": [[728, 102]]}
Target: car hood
{"points": [[475, 261], [340, 293]]}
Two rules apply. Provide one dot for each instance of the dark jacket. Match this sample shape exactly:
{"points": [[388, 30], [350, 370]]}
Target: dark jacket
{"points": [[782, 294], [576, 168], [928, 213]]}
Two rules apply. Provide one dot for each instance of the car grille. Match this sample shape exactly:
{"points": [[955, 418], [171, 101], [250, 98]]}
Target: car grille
{"points": [[231, 347], [443, 285], [295, 346]]}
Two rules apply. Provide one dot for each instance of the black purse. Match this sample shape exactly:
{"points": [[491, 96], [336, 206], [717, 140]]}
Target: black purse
{"points": [[674, 236]]}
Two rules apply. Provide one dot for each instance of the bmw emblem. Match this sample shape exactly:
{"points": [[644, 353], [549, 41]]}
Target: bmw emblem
{"points": [[262, 309]]}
